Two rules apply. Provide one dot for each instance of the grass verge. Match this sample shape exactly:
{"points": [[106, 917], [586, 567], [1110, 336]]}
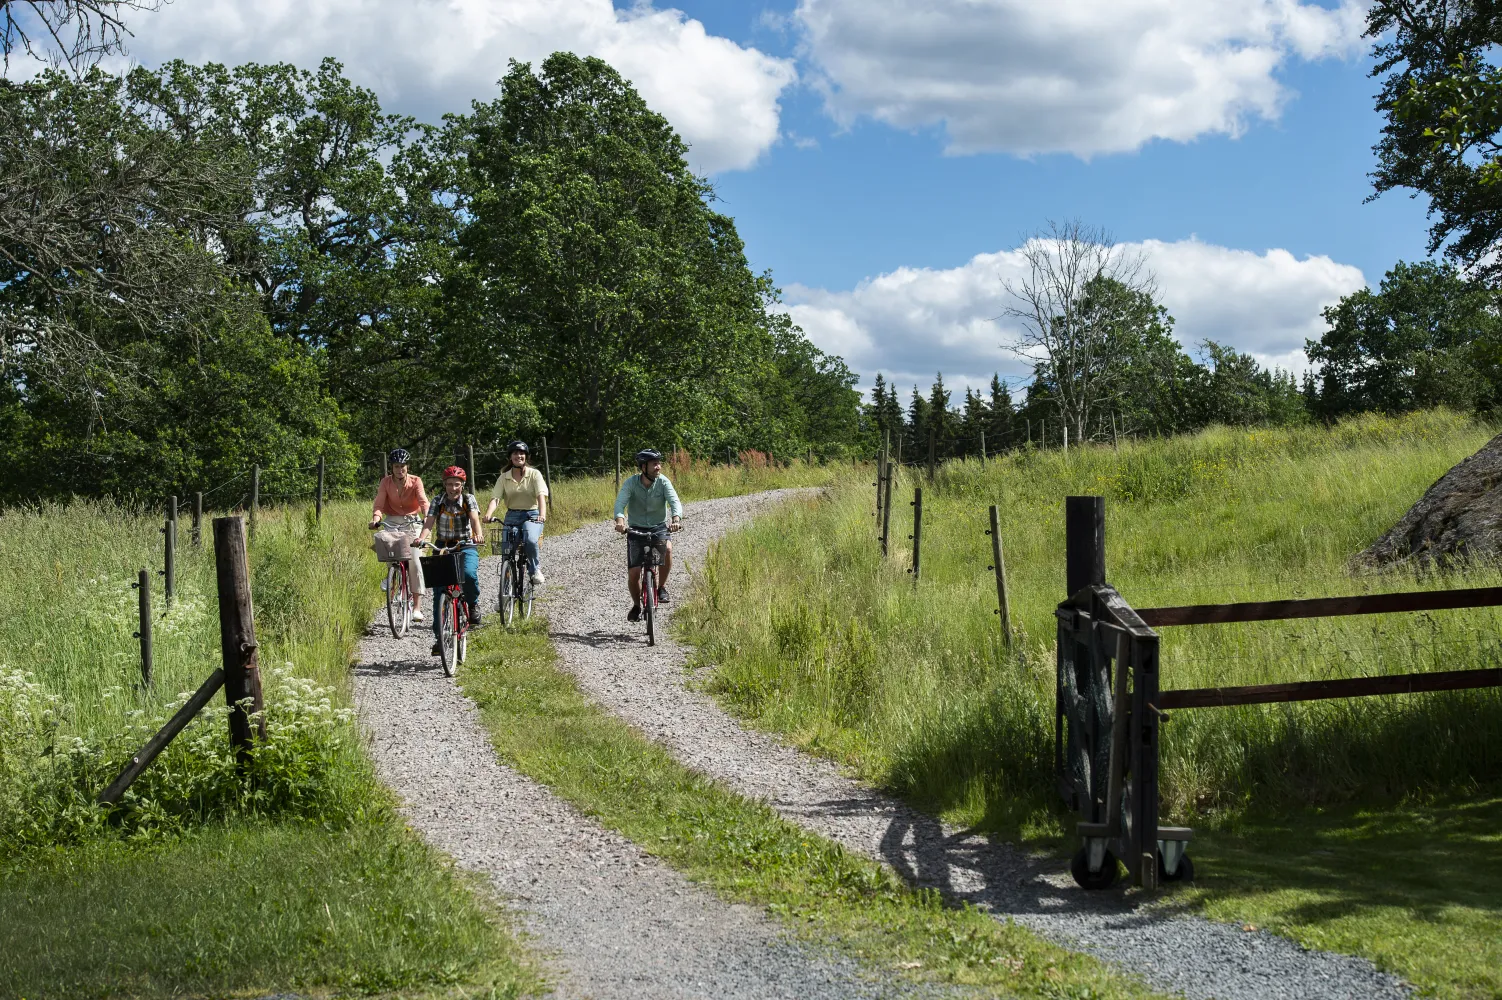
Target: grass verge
{"points": [[203, 882], [542, 725]]}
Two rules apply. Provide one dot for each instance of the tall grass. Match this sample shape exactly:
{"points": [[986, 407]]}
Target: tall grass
{"points": [[812, 633]]}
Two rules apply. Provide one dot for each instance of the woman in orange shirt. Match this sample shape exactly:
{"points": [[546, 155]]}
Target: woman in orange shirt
{"points": [[400, 504]]}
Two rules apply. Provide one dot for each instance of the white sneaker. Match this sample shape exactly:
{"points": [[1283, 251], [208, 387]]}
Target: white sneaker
{"points": [[417, 614], [538, 580]]}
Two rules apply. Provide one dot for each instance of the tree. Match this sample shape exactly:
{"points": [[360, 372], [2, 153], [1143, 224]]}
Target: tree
{"points": [[1441, 96], [1080, 292], [77, 33], [942, 426], [1427, 336], [1001, 419]]}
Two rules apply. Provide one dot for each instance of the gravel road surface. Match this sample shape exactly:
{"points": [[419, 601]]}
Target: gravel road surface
{"points": [[586, 604], [612, 921]]}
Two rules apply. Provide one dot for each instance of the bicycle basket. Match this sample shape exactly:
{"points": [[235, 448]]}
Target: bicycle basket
{"points": [[442, 571], [391, 546]]}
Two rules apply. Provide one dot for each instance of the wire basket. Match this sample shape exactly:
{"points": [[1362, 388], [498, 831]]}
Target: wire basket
{"points": [[442, 571]]}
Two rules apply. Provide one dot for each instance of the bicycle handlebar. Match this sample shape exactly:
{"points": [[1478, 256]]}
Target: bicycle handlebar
{"points": [[425, 544]]}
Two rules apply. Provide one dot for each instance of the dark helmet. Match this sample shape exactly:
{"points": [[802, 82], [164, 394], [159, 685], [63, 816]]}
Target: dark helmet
{"points": [[399, 456], [648, 455], [517, 446]]}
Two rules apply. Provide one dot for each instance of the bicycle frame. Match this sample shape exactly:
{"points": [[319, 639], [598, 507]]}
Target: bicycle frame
{"points": [[446, 612], [514, 566]]}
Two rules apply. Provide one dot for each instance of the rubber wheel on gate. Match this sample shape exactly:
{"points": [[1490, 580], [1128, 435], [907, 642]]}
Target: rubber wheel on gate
{"points": [[1086, 879], [398, 605], [446, 650], [1184, 873], [508, 596]]}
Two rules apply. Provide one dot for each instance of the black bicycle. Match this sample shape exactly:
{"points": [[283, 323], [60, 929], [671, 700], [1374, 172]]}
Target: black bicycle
{"points": [[514, 584], [652, 553]]}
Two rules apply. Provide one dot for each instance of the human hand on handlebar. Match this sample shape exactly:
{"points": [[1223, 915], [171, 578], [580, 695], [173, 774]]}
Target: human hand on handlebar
{"points": [[675, 526], [374, 524], [620, 527]]}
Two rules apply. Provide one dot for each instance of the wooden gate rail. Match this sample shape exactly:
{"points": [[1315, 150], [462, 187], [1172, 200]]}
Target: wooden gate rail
{"points": [[1322, 607], [1351, 687]]}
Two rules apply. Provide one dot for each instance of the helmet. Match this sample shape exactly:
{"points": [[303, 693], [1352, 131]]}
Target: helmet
{"points": [[648, 455], [455, 472], [399, 456], [517, 446]]}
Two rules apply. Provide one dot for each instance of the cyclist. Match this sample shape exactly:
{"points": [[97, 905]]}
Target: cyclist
{"points": [[399, 506], [650, 497], [456, 516], [525, 494]]}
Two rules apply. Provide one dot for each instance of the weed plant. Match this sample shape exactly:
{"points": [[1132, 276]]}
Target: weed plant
{"points": [[810, 632]]}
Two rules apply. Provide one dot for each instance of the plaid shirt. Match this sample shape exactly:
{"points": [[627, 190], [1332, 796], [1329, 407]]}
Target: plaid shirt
{"points": [[453, 525]]}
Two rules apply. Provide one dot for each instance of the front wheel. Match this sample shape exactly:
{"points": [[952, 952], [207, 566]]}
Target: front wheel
{"points": [[448, 628], [527, 595], [508, 594], [398, 602], [649, 601]]}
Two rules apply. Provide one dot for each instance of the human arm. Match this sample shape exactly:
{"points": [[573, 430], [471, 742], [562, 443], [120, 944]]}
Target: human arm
{"points": [[378, 508], [490, 510], [622, 499], [675, 508], [477, 530]]}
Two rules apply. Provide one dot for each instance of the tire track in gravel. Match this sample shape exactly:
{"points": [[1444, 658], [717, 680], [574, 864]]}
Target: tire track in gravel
{"points": [[615, 922], [648, 687]]}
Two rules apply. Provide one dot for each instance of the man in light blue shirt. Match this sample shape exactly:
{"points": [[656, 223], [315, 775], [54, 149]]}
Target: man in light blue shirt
{"points": [[650, 499]]}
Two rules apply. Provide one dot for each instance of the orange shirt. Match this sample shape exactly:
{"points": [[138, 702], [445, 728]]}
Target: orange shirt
{"points": [[393, 500]]}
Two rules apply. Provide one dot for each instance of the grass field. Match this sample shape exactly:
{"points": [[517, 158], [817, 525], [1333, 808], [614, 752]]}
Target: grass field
{"points": [[204, 882], [804, 629]]}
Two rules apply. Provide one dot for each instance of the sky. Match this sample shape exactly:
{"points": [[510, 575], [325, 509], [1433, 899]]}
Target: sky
{"points": [[885, 159]]}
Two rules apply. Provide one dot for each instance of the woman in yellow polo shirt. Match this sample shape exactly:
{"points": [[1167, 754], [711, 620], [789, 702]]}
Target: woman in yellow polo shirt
{"points": [[522, 489]]}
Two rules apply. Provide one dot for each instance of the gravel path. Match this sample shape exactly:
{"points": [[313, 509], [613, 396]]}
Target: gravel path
{"points": [[615, 922], [586, 605]]}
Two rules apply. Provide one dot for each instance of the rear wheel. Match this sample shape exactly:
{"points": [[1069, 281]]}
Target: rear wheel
{"points": [[398, 602], [527, 595], [448, 610], [461, 645], [649, 601], [508, 594]]}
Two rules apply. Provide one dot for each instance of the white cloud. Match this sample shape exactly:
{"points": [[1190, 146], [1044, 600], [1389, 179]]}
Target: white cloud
{"points": [[1077, 76], [913, 322], [427, 57]]}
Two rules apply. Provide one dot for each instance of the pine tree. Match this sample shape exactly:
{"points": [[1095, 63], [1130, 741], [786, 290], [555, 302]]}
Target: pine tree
{"points": [[1001, 428]]}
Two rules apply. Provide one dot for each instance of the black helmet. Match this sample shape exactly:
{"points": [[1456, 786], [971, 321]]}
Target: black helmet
{"points": [[399, 456], [648, 455], [517, 446]]}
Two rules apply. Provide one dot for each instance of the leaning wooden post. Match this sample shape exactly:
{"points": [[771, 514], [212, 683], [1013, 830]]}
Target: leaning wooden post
{"points": [[197, 519], [143, 607], [237, 637], [1000, 568], [917, 535], [255, 496], [169, 553], [318, 501], [886, 511], [158, 743]]}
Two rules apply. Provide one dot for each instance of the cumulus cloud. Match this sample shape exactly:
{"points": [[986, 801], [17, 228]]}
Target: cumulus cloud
{"points": [[427, 57], [913, 322], [1083, 77]]}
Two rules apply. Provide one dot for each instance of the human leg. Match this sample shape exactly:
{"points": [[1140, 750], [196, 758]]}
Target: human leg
{"points": [[469, 562]]}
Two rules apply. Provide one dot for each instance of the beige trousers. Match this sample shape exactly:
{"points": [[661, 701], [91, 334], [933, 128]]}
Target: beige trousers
{"points": [[409, 525]]}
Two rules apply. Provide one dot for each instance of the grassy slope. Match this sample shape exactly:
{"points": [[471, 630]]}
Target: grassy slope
{"points": [[344, 898], [913, 688], [542, 725]]}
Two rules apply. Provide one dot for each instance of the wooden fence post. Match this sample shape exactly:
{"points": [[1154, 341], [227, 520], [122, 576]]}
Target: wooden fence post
{"points": [[617, 463], [237, 637], [198, 518], [385, 465], [886, 510], [930, 454], [982, 447], [1143, 744], [255, 497], [169, 553], [143, 606], [469, 467], [917, 535], [318, 501], [547, 469], [1115, 441], [1066, 437], [1000, 568], [881, 470], [1084, 543]]}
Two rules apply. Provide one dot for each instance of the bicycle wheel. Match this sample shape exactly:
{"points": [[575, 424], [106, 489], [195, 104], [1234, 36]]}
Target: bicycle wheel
{"points": [[508, 594], [461, 644], [649, 601], [526, 595], [398, 602], [448, 611]]}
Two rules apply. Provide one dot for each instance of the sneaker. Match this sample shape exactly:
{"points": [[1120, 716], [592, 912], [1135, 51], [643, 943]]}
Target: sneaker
{"points": [[437, 649], [417, 614], [538, 580], [634, 615], [473, 614], [662, 596]]}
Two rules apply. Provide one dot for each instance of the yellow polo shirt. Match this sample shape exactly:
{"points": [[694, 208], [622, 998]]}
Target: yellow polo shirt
{"points": [[522, 495]]}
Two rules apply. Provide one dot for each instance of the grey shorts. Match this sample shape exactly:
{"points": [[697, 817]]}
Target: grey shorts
{"points": [[636, 548]]}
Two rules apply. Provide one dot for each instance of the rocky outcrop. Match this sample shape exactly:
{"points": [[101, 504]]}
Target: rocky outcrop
{"points": [[1459, 518]]}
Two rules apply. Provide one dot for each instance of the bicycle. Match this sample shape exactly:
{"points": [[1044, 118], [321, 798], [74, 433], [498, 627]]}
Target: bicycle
{"points": [[399, 597], [513, 579], [651, 559], [445, 582]]}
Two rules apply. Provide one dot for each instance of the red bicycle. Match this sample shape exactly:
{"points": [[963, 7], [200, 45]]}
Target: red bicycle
{"points": [[400, 600], [652, 550], [443, 571]]}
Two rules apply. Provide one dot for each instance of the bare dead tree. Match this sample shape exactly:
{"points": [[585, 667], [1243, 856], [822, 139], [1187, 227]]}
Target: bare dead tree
{"points": [[1068, 329], [75, 33]]}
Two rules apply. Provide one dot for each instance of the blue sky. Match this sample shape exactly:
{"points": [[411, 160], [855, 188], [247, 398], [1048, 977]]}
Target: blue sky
{"points": [[882, 157]]}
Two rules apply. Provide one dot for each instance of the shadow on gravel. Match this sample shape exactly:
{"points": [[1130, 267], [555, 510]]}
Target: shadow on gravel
{"points": [[598, 639], [387, 668]]}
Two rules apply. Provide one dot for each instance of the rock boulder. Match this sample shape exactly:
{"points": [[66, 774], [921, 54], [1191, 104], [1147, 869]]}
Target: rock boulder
{"points": [[1458, 518]]}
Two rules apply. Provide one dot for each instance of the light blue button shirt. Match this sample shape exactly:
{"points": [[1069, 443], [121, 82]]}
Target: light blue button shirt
{"points": [[649, 505]]}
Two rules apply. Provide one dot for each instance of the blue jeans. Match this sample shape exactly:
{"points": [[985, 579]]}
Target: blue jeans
{"points": [[531, 535], [469, 567]]}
